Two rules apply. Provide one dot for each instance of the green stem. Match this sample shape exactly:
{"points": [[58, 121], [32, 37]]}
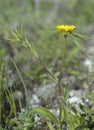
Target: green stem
{"points": [[46, 70], [41, 62], [59, 80], [61, 67], [1, 71]]}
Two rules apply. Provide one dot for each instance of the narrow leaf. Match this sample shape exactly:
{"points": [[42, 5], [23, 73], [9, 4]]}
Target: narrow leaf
{"points": [[81, 36], [76, 42], [47, 114], [50, 125], [64, 91]]}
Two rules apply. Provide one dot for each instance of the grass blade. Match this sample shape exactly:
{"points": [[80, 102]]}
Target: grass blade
{"points": [[21, 78]]}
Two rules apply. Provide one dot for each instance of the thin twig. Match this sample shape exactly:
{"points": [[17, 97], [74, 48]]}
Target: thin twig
{"points": [[46, 70], [41, 62]]}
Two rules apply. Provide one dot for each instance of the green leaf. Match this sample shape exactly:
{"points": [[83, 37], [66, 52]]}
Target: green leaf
{"points": [[73, 72], [64, 111], [81, 36], [64, 91], [76, 42], [46, 113], [50, 125], [12, 122]]}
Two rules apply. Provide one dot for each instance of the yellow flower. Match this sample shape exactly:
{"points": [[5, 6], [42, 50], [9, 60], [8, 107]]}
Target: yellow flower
{"points": [[65, 28]]}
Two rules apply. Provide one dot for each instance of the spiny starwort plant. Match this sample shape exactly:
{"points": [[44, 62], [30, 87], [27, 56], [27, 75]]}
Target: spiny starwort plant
{"points": [[69, 118]]}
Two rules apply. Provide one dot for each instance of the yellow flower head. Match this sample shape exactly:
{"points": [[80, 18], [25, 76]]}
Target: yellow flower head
{"points": [[65, 28]]}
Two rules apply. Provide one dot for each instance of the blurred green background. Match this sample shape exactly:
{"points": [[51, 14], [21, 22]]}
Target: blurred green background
{"points": [[38, 18]]}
